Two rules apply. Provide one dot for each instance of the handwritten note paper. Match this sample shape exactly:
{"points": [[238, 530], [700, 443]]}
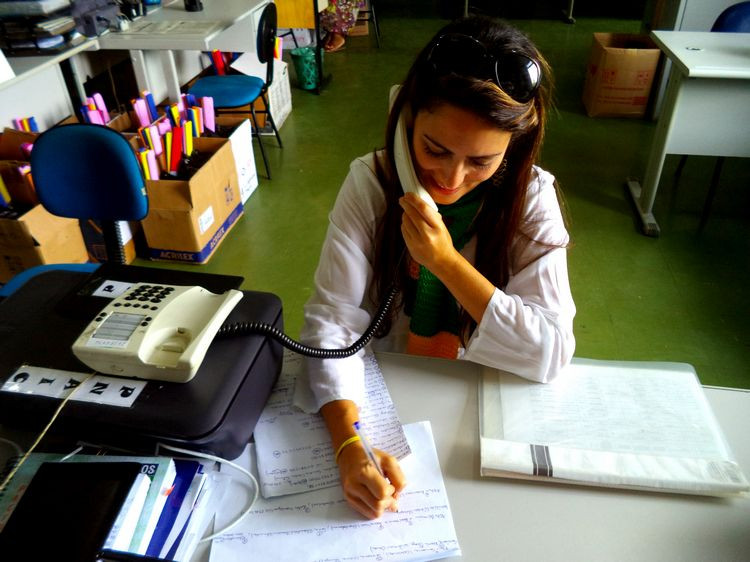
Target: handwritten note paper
{"points": [[294, 448], [320, 525]]}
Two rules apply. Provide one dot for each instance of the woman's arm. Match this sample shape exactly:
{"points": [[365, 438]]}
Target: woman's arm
{"points": [[430, 245], [335, 317], [527, 328]]}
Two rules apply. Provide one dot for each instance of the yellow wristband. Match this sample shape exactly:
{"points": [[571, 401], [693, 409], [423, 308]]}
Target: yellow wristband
{"points": [[352, 439]]}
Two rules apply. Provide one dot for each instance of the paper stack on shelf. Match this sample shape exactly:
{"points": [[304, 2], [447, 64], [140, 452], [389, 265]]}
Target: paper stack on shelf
{"points": [[32, 7], [641, 425]]}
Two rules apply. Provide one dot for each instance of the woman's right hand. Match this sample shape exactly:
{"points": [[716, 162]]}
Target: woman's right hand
{"points": [[364, 488]]}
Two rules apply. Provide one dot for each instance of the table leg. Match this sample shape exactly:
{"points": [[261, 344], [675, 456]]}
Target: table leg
{"points": [[138, 59], [568, 12], [644, 196], [318, 49], [170, 75]]}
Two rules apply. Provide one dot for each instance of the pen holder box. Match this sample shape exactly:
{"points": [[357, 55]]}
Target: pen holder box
{"points": [[37, 237], [188, 219]]}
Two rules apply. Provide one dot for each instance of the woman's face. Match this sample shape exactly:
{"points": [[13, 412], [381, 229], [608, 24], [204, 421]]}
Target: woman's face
{"points": [[455, 151]]}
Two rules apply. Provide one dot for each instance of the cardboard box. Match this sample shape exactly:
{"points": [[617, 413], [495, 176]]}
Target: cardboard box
{"points": [[240, 134], [123, 123], [11, 141], [619, 75], [38, 237], [188, 219], [93, 238]]}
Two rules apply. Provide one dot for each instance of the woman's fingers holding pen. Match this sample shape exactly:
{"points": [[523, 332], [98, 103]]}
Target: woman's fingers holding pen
{"points": [[365, 489], [392, 470]]}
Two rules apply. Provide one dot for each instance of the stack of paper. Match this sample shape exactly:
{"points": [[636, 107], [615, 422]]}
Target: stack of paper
{"points": [[294, 448], [320, 525], [607, 423]]}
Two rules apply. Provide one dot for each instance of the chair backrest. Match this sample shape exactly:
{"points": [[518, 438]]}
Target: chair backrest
{"points": [[88, 172], [735, 19], [266, 42]]}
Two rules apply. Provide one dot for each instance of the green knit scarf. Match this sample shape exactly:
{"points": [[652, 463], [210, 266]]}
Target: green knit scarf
{"points": [[428, 302]]}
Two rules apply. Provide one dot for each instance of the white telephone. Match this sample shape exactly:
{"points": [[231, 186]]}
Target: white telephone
{"points": [[402, 155], [153, 331]]}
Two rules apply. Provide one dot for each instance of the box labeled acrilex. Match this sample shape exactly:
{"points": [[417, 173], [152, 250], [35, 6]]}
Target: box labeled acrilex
{"points": [[619, 75], [188, 219]]}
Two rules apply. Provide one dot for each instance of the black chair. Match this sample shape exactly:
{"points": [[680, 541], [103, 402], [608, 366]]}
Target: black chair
{"points": [[233, 91], [735, 19]]}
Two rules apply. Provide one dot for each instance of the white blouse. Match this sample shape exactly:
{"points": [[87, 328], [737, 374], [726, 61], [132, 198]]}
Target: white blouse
{"points": [[527, 328]]}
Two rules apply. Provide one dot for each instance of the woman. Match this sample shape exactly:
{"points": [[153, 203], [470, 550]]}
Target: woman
{"points": [[337, 19], [485, 279]]}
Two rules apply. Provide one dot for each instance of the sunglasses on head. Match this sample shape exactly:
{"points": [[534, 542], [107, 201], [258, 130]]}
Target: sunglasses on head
{"points": [[516, 74]]}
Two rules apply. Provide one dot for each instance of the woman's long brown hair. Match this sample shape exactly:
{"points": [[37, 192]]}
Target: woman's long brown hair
{"points": [[499, 219]]}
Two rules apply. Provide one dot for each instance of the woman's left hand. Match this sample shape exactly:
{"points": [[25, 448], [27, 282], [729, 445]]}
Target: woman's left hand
{"points": [[426, 236]]}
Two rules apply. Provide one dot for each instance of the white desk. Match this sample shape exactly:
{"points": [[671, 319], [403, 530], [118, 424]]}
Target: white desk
{"points": [[501, 519], [39, 87], [235, 22], [518, 520], [705, 107]]}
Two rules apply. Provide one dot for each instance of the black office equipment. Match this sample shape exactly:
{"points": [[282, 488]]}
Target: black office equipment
{"points": [[214, 412]]}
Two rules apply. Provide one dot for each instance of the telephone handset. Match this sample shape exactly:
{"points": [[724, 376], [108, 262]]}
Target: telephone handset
{"points": [[154, 331], [402, 155]]}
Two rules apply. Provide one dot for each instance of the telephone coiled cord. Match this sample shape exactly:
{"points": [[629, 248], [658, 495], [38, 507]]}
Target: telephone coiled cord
{"points": [[261, 328]]}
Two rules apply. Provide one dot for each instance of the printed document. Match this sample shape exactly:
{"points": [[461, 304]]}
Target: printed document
{"points": [[320, 525], [294, 448], [610, 423]]}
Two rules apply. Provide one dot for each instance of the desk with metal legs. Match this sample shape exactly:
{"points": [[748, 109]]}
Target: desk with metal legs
{"points": [[706, 107], [503, 519], [228, 25]]}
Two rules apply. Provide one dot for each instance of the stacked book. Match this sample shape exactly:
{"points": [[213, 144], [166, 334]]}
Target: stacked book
{"points": [[87, 506], [37, 33]]}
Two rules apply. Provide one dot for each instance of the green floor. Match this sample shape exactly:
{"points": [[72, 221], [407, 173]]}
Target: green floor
{"points": [[681, 297]]}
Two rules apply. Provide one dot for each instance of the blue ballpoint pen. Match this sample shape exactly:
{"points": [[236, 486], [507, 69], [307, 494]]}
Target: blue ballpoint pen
{"points": [[366, 446]]}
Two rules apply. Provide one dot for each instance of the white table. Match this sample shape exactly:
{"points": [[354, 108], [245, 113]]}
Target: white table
{"points": [[39, 88], [706, 107], [230, 25], [518, 520], [501, 519]]}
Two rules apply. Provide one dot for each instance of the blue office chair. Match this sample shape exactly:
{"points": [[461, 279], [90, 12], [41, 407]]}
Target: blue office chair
{"points": [[734, 19], [86, 172], [230, 92]]}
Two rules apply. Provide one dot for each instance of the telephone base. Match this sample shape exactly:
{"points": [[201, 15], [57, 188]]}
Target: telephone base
{"points": [[215, 412]]}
